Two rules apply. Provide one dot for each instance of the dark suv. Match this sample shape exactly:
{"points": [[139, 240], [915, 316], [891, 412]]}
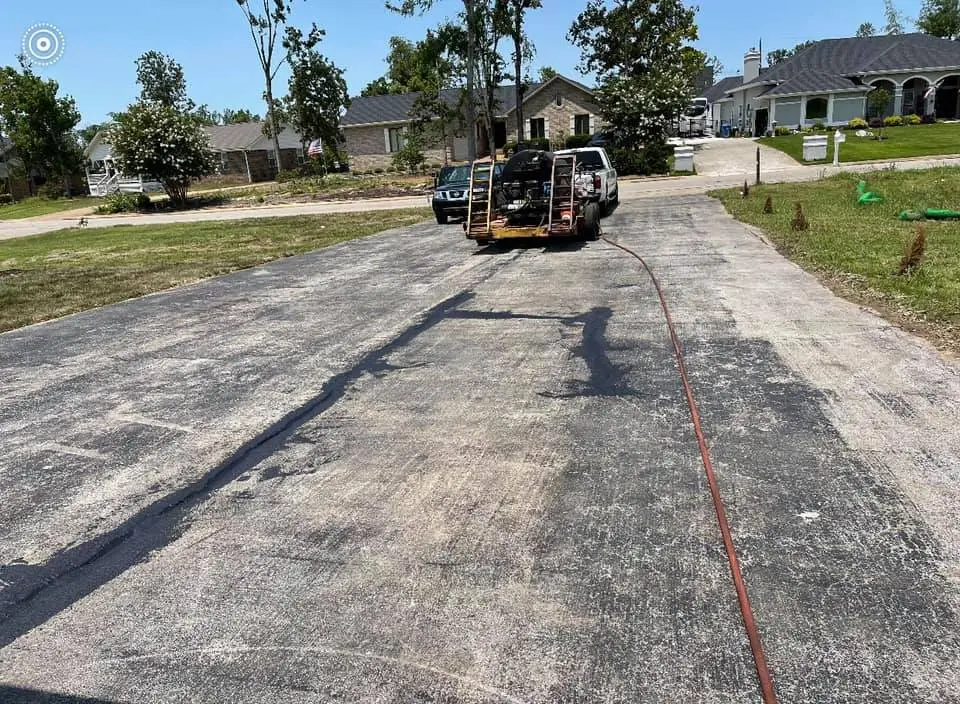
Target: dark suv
{"points": [[450, 187]]}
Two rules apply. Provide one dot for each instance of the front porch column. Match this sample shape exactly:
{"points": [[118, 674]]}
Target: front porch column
{"points": [[773, 113], [830, 109], [898, 100], [803, 111]]}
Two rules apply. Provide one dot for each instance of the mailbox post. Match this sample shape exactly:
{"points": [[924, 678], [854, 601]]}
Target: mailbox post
{"points": [[838, 138]]}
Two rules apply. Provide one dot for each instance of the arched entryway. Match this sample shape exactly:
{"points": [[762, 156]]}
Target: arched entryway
{"points": [[914, 97], [948, 98], [891, 91]]}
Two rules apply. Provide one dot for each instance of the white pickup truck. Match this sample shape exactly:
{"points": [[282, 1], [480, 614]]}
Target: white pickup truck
{"points": [[596, 172]]}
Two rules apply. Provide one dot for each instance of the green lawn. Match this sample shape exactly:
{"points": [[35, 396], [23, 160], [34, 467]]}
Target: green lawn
{"points": [[31, 207], [898, 143], [858, 248], [48, 276]]}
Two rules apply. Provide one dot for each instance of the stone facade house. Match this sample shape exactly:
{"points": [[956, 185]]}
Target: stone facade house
{"points": [[828, 82], [374, 126]]}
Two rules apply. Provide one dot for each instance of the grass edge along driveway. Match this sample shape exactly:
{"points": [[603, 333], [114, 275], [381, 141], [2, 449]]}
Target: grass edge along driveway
{"points": [[898, 143], [43, 277], [856, 250]]}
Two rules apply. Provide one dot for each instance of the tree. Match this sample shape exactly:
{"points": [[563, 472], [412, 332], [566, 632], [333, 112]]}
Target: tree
{"points": [[546, 73], [895, 18], [317, 93], [40, 124], [169, 145], [161, 80], [87, 133], [415, 67], [490, 23], [205, 116], [940, 18], [265, 29], [866, 30], [778, 55], [380, 86], [878, 100], [641, 55], [411, 7], [522, 50], [232, 117]]}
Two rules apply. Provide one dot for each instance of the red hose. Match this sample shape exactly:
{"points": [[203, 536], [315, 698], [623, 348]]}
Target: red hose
{"points": [[763, 673]]}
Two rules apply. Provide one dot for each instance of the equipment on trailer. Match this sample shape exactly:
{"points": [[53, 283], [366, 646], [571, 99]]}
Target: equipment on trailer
{"points": [[537, 194]]}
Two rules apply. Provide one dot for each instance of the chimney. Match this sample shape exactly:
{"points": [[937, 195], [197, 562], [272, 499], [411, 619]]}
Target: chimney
{"points": [[751, 65]]}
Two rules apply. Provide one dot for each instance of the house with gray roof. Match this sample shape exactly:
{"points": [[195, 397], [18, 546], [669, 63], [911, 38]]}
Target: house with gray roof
{"points": [[374, 126], [243, 151], [828, 82]]}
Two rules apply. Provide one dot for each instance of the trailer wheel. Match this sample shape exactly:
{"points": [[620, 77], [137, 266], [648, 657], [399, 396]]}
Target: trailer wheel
{"points": [[590, 229], [482, 243]]}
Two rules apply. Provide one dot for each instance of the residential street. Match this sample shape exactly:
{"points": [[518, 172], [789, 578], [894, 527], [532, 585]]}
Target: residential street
{"points": [[408, 469]]}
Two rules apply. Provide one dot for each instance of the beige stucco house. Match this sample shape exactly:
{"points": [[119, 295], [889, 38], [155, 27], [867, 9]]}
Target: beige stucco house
{"points": [[828, 82], [374, 126]]}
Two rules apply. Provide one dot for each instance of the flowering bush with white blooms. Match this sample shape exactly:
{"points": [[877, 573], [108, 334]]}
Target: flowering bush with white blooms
{"points": [[642, 55], [157, 140]]}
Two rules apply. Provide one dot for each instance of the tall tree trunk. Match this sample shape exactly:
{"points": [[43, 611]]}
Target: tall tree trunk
{"points": [[272, 117], [471, 66]]}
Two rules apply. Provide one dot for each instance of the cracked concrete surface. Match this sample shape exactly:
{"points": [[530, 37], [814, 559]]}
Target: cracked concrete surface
{"points": [[405, 469]]}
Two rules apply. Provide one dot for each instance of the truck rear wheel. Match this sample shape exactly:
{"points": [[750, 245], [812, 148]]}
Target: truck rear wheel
{"points": [[590, 229]]}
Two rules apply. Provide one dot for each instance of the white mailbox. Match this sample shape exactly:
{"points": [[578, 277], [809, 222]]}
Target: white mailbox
{"points": [[683, 158], [838, 139], [815, 147]]}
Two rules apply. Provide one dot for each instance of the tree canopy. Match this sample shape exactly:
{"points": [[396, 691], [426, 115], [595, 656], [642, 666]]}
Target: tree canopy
{"points": [[40, 123], [778, 55], [162, 81], [646, 68], [317, 92], [941, 18]]}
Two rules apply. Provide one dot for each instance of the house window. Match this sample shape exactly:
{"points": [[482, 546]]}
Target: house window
{"points": [[537, 128], [816, 109], [559, 100], [581, 124], [224, 162], [271, 159], [396, 139], [300, 157]]}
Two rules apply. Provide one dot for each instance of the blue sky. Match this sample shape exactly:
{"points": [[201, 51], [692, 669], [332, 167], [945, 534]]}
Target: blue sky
{"points": [[210, 38]]}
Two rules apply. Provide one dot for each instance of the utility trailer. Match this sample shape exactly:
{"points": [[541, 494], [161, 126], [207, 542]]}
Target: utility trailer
{"points": [[537, 194]]}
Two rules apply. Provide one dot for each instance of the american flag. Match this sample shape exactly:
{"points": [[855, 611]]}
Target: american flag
{"points": [[316, 148], [931, 91]]}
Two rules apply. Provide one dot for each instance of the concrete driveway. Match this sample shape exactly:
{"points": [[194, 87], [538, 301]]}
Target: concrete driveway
{"points": [[738, 157], [406, 469]]}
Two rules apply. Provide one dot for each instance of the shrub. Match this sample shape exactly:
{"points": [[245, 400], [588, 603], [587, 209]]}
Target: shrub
{"points": [[411, 154], [819, 126], [893, 121], [51, 190], [143, 201], [118, 202], [285, 176], [575, 141], [876, 123], [627, 162], [656, 158], [782, 131], [858, 123], [928, 120], [912, 120], [6, 199]]}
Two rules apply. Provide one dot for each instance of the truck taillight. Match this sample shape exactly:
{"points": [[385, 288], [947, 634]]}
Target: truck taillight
{"points": [[596, 182]]}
